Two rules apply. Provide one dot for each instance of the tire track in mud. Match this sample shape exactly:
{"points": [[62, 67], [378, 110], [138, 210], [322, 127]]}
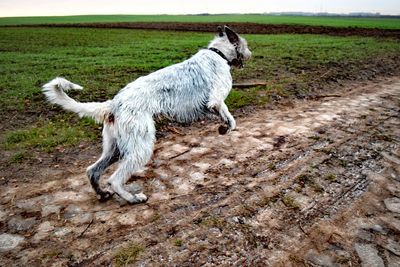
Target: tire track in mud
{"points": [[253, 197]]}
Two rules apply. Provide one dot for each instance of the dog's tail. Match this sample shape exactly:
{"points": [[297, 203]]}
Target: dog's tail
{"points": [[54, 91]]}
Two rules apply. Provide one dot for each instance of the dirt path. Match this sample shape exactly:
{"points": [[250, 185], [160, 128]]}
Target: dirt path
{"points": [[313, 182]]}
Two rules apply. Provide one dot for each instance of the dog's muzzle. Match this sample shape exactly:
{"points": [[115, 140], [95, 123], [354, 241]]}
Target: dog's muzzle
{"points": [[237, 62]]}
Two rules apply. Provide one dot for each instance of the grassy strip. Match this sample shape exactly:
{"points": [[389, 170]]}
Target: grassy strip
{"points": [[105, 60], [382, 23], [49, 135]]}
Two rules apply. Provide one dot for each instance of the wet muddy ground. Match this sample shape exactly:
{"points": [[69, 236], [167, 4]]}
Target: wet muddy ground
{"points": [[243, 28], [305, 183]]}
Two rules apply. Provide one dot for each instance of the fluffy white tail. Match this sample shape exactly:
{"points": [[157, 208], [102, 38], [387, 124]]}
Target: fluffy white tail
{"points": [[54, 91]]}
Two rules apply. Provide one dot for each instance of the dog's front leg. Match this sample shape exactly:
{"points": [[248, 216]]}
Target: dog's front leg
{"points": [[227, 118]]}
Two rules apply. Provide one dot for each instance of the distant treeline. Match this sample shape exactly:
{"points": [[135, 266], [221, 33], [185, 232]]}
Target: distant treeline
{"points": [[311, 14]]}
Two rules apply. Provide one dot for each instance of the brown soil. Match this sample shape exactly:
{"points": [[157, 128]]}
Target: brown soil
{"points": [[302, 183], [243, 28]]}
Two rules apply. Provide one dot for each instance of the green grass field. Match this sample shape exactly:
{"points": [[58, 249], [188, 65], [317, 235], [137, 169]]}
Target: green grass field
{"points": [[382, 23], [104, 60]]}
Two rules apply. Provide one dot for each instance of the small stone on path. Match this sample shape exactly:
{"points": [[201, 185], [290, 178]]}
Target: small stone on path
{"points": [[50, 209], [319, 259], [18, 223], [72, 211], [9, 242], [368, 255], [393, 204]]}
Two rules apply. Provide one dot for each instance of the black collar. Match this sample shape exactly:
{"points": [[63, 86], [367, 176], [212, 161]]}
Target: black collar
{"points": [[219, 53], [237, 62]]}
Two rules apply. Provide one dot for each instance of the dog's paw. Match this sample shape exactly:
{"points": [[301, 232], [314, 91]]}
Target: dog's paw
{"points": [[138, 198], [223, 129], [104, 196]]}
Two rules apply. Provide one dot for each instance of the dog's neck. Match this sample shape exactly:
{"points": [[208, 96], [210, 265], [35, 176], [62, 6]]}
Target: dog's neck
{"points": [[227, 49], [220, 53]]}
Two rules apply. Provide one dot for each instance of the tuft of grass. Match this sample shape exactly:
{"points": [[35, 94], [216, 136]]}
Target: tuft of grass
{"points": [[304, 179], [128, 255], [344, 163], [331, 177], [178, 242], [315, 137], [18, 157], [297, 188], [271, 166], [290, 202], [308, 179], [313, 167], [212, 221]]}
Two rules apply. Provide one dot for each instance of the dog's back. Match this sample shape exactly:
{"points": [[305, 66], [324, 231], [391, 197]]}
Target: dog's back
{"points": [[179, 91]]}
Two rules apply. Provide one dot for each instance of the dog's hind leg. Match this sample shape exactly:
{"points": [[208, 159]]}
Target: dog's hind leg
{"points": [[135, 142], [109, 156], [125, 170]]}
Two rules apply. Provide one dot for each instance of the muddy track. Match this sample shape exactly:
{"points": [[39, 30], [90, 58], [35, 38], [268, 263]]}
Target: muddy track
{"points": [[244, 28], [312, 182]]}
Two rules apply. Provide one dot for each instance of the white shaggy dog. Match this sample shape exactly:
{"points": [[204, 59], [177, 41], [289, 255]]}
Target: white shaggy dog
{"points": [[184, 92]]}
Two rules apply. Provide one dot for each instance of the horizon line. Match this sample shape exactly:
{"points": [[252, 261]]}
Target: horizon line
{"points": [[287, 13]]}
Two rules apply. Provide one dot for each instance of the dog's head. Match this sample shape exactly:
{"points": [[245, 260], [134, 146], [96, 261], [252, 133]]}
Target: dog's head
{"points": [[232, 46]]}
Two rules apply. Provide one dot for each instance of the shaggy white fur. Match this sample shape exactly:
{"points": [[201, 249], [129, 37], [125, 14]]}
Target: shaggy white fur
{"points": [[185, 92]]}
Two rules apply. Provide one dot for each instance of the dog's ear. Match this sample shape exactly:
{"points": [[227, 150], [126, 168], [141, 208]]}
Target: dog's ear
{"points": [[220, 31], [233, 37]]}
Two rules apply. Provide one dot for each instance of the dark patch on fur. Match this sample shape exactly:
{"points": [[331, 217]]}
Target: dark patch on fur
{"points": [[95, 173], [166, 90], [111, 118]]}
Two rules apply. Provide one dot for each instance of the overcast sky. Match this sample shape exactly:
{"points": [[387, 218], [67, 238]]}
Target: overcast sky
{"points": [[80, 7]]}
